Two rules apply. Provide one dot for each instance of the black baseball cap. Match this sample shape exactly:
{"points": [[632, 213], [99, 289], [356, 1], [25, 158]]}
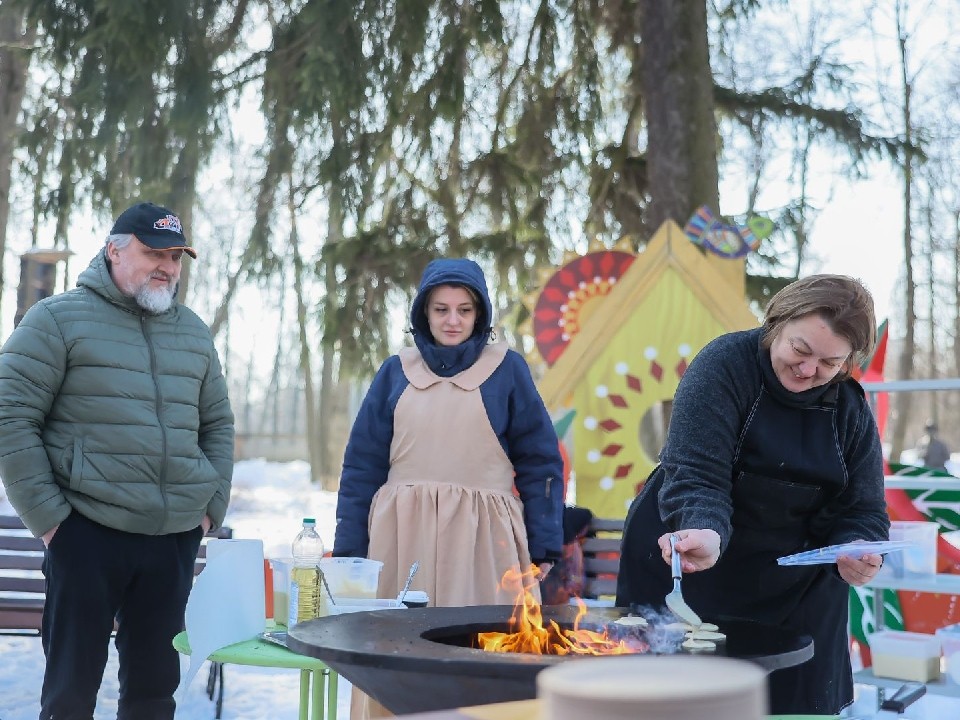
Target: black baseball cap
{"points": [[154, 226]]}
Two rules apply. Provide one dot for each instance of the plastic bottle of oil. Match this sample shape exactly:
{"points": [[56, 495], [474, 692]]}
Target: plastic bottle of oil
{"points": [[307, 600]]}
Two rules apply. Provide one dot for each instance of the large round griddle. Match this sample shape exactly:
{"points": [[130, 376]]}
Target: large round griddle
{"points": [[417, 660]]}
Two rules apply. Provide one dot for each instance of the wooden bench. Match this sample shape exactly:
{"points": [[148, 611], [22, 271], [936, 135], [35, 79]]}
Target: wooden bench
{"points": [[21, 584], [601, 558], [22, 590]]}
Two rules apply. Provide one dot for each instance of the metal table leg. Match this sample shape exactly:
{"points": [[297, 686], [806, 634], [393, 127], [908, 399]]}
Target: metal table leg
{"points": [[316, 710], [331, 678], [304, 694]]}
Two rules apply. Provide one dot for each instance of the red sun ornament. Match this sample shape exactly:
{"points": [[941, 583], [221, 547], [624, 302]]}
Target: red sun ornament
{"points": [[560, 311]]}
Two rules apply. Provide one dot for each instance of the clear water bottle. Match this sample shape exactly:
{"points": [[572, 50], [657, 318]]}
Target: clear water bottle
{"points": [[306, 599]]}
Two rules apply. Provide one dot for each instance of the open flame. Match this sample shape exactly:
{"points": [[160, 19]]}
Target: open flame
{"points": [[531, 636]]}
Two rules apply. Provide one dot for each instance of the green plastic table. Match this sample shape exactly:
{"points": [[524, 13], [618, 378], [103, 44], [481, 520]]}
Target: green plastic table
{"points": [[315, 676]]}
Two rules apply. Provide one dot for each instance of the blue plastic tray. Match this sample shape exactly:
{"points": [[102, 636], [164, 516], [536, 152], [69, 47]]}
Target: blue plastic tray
{"points": [[829, 554]]}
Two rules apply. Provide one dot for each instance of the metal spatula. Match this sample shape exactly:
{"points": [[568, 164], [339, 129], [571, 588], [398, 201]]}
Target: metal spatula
{"points": [[678, 606]]}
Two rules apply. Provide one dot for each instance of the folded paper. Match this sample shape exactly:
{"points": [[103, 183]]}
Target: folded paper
{"points": [[226, 605]]}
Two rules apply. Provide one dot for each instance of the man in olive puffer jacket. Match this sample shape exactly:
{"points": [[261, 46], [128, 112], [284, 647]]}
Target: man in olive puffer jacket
{"points": [[116, 448]]}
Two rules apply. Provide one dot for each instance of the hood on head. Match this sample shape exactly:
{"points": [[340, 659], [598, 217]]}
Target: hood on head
{"points": [[446, 271]]}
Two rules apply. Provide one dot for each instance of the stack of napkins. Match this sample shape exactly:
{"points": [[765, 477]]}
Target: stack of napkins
{"points": [[226, 604]]}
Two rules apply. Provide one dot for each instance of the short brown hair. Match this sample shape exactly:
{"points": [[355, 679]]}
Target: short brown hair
{"points": [[841, 301]]}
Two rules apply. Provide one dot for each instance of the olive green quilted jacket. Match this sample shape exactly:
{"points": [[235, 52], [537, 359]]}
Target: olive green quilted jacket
{"points": [[115, 413]]}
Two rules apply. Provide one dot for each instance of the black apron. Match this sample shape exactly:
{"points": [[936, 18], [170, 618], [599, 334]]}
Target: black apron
{"points": [[787, 468]]}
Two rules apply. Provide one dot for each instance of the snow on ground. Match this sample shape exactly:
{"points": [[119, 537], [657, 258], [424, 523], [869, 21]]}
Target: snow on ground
{"points": [[269, 501]]}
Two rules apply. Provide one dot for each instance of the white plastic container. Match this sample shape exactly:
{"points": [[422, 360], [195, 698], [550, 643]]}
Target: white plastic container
{"points": [[950, 642], [920, 560], [627, 687], [905, 655], [281, 589], [416, 599], [352, 577]]}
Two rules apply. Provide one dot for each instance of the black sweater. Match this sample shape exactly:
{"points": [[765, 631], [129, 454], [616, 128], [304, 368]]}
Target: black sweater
{"points": [[711, 407]]}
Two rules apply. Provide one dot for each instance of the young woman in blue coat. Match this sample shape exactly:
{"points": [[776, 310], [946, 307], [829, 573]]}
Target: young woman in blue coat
{"points": [[453, 460]]}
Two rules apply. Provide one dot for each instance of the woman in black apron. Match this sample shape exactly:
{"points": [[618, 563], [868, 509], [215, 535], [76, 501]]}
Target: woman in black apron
{"points": [[772, 450]]}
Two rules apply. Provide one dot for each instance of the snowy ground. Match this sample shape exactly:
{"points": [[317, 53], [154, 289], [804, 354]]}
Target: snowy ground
{"points": [[268, 502]]}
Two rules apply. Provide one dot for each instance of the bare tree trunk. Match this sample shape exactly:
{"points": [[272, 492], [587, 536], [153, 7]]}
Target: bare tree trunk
{"points": [[223, 309], [327, 462], [183, 197], [183, 183], [931, 312], [956, 293], [272, 400], [678, 97], [306, 364], [15, 40], [677, 84], [803, 161], [278, 164], [909, 348], [247, 413], [334, 235]]}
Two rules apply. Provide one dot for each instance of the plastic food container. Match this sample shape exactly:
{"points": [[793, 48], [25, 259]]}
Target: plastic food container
{"points": [[351, 577], [905, 655], [949, 637], [919, 560], [281, 588]]}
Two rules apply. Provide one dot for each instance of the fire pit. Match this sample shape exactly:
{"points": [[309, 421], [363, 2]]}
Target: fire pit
{"points": [[419, 660]]}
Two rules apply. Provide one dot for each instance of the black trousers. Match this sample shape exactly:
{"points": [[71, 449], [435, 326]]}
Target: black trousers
{"points": [[95, 574]]}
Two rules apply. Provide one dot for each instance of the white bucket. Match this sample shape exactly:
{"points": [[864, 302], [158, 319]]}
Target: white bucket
{"points": [[664, 687]]}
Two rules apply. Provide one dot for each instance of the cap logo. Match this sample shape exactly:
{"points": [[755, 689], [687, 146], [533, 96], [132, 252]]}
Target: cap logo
{"points": [[169, 222]]}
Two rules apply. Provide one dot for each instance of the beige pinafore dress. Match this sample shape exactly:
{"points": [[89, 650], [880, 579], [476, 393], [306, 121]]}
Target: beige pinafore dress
{"points": [[449, 499]]}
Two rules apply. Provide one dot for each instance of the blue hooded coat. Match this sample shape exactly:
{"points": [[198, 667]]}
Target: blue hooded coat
{"points": [[513, 406]]}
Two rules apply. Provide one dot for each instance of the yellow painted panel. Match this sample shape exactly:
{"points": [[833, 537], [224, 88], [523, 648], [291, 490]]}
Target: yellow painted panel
{"points": [[640, 366]]}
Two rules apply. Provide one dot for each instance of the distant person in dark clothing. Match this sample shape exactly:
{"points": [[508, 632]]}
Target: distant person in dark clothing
{"points": [[932, 450]]}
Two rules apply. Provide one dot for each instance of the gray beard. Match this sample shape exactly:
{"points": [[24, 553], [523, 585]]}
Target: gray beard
{"points": [[155, 301]]}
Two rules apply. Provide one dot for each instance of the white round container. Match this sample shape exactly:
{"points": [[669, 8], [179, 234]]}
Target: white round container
{"points": [[416, 598], [653, 687]]}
